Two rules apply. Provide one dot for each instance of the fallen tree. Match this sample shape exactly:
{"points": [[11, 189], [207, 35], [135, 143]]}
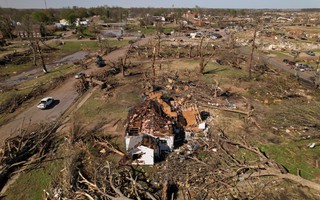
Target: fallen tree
{"points": [[26, 150]]}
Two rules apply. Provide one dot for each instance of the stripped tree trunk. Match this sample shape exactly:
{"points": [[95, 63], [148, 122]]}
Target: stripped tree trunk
{"points": [[252, 51], [41, 57], [153, 64], [34, 52]]}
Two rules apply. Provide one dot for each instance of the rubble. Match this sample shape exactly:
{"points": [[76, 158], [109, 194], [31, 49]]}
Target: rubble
{"points": [[158, 126]]}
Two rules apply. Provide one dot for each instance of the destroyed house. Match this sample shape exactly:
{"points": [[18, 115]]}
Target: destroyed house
{"points": [[158, 125], [150, 131]]}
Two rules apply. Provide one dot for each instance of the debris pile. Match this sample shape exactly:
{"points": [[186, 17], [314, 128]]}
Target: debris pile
{"points": [[157, 126]]}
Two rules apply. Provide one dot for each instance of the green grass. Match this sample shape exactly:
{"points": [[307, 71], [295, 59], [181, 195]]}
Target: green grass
{"points": [[215, 71], [72, 47], [280, 54], [64, 50], [92, 107], [295, 112], [30, 185], [16, 69], [147, 30], [26, 86], [47, 78], [168, 29], [244, 155], [97, 108], [294, 156]]}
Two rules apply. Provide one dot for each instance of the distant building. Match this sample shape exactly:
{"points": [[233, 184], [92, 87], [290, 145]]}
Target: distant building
{"points": [[82, 22], [36, 31], [190, 15], [64, 22]]}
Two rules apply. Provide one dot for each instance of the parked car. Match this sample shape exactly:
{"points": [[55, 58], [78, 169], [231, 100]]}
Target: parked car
{"points": [[100, 62], [285, 61], [310, 53], [45, 103], [57, 36], [80, 75], [304, 67], [291, 63], [215, 36]]}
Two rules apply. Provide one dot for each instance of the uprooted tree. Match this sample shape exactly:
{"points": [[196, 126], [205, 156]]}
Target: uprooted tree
{"points": [[26, 150]]}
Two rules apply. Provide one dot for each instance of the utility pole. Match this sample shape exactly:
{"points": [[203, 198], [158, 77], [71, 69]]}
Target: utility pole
{"points": [[45, 3]]}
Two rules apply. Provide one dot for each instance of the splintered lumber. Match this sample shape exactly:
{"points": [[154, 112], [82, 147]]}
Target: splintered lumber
{"points": [[97, 82], [111, 148]]}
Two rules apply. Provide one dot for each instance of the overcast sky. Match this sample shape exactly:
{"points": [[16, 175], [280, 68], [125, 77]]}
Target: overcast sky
{"points": [[164, 3]]}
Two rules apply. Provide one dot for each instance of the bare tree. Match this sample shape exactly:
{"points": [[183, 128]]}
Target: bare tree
{"points": [[41, 56], [252, 51], [6, 27], [153, 64], [124, 60], [296, 55], [203, 62], [103, 44], [190, 51], [158, 45], [33, 36]]}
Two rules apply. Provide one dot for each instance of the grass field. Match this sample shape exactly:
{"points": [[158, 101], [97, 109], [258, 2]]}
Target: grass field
{"points": [[30, 185], [16, 69], [63, 50], [280, 54], [296, 156]]}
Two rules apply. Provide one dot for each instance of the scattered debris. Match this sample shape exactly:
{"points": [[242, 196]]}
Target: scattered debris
{"points": [[312, 145], [156, 128]]}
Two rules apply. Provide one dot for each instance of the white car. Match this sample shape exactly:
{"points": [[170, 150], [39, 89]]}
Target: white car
{"points": [[45, 102], [81, 75]]}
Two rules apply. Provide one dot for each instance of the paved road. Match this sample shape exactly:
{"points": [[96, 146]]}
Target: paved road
{"points": [[282, 66], [278, 64], [64, 93], [25, 76]]}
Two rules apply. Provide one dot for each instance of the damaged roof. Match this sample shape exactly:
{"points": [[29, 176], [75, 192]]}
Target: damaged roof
{"points": [[149, 118]]}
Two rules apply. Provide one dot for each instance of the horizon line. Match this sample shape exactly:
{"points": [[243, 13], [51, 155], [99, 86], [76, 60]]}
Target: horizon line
{"points": [[191, 8]]}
